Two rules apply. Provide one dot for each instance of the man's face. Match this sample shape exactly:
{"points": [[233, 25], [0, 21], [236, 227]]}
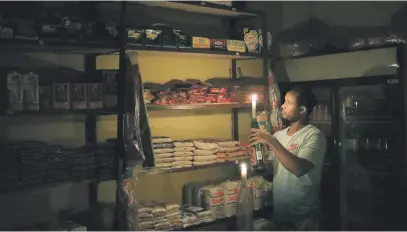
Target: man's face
{"points": [[290, 109]]}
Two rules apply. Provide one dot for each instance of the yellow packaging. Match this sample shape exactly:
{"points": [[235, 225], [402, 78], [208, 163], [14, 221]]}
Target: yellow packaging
{"points": [[236, 46], [201, 42]]}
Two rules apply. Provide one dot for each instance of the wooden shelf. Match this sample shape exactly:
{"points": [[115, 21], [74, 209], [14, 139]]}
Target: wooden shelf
{"points": [[62, 112], [158, 171], [198, 106], [57, 46], [174, 51], [45, 185], [200, 7]]}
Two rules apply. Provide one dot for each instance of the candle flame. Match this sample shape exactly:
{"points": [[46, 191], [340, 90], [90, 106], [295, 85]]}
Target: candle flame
{"points": [[243, 168], [254, 97]]}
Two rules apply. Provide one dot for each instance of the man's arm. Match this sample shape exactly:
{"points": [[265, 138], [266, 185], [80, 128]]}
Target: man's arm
{"points": [[309, 154]]}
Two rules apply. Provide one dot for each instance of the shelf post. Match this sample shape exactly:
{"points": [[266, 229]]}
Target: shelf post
{"points": [[265, 57], [235, 111], [90, 129], [120, 146]]}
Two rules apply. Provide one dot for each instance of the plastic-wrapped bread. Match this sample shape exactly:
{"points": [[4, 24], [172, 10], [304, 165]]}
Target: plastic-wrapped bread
{"points": [[232, 154], [199, 152], [183, 143], [198, 163], [233, 149], [183, 149], [163, 160], [163, 145], [228, 143], [183, 153], [183, 158], [205, 145], [163, 165], [161, 139], [163, 155], [167, 205], [181, 163], [205, 158], [163, 150]]}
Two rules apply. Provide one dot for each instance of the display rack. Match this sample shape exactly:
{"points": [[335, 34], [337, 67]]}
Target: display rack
{"points": [[90, 51], [199, 7], [94, 49]]}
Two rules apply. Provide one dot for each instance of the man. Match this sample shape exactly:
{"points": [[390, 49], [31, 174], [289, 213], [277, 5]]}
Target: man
{"points": [[297, 154]]}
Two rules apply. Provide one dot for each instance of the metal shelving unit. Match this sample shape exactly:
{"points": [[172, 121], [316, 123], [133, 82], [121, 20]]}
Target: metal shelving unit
{"points": [[193, 7], [92, 49]]}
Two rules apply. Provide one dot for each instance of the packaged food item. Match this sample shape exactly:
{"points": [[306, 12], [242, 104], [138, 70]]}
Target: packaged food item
{"points": [[199, 152], [135, 36], [218, 44], [161, 139], [183, 143], [15, 91], [184, 153], [31, 91], [163, 150], [213, 200], [251, 39], [95, 95], [45, 97], [228, 143], [204, 158], [78, 96], [162, 145], [231, 189], [183, 149], [183, 158], [201, 42], [110, 89], [183, 39], [61, 96], [236, 46], [203, 145]]}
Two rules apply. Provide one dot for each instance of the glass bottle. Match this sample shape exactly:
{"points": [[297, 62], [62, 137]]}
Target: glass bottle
{"points": [[245, 206], [258, 149]]}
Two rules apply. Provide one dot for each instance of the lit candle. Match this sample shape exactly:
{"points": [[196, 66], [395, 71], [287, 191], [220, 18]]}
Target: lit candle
{"points": [[243, 171], [254, 98]]}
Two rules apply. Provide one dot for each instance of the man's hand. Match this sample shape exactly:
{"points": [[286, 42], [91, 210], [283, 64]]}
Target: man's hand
{"points": [[259, 136]]}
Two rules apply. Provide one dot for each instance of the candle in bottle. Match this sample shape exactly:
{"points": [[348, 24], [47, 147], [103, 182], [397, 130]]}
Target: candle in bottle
{"points": [[254, 98], [243, 171]]}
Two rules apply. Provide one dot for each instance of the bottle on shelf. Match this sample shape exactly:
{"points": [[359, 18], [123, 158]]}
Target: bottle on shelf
{"points": [[245, 203]]}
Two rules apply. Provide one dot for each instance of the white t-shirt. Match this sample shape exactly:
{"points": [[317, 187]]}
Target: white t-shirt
{"points": [[297, 198]]}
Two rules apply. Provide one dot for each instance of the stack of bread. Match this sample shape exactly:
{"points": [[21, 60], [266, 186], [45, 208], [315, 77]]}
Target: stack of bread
{"points": [[231, 151], [163, 152], [183, 154], [173, 213], [151, 216], [204, 152]]}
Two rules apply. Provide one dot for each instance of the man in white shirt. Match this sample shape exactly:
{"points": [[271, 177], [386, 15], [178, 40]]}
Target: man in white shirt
{"points": [[297, 155]]}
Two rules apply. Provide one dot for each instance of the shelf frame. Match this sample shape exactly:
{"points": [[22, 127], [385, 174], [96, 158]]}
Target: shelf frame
{"points": [[123, 90]]}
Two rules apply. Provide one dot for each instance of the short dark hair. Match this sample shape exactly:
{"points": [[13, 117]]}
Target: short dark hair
{"points": [[305, 97]]}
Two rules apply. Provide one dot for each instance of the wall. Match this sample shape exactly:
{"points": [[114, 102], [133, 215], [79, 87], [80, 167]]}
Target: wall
{"points": [[348, 13]]}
